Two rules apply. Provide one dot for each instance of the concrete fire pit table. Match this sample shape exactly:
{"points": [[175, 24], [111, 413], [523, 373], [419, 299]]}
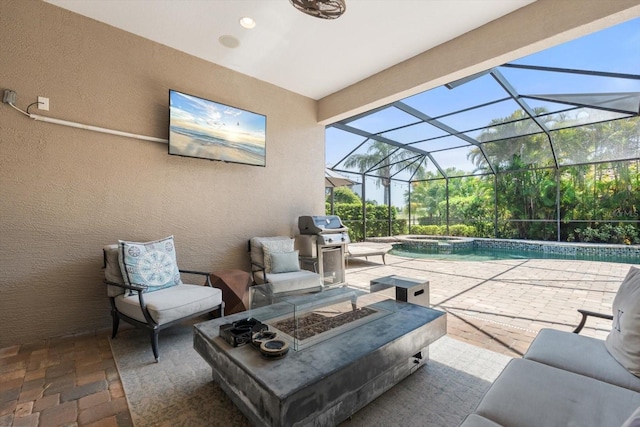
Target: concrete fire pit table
{"points": [[326, 380]]}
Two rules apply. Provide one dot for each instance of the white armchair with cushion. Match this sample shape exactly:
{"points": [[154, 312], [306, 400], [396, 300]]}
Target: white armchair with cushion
{"points": [[275, 263], [145, 288]]}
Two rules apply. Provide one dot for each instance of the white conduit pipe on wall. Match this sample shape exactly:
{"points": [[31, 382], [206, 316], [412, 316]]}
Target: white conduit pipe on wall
{"points": [[96, 128]]}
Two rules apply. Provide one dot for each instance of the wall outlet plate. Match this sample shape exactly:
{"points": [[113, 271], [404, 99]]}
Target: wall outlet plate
{"points": [[43, 103]]}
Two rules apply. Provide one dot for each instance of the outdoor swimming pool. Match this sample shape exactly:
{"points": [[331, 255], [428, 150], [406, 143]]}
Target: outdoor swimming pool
{"points": [[475, 249], [500, 254]]}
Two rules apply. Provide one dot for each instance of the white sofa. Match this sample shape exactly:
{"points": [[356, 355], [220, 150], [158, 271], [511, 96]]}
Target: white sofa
{"points": [[565, 379]]}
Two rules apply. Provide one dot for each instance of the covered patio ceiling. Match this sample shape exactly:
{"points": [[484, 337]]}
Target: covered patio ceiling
{"points": [[478, 125]]}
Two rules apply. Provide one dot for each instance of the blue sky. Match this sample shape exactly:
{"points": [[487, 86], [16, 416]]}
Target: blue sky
{"points": [[210, 113], [615, 49]]}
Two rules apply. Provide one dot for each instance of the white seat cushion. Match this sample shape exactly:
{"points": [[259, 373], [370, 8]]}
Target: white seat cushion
{"points": [[581, 355], [295, 281], [531, 394], [474, 420], [172, 303]]}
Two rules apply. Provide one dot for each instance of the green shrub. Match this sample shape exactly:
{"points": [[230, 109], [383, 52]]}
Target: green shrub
{"points": [[462, 230], [431, 220], [428, 230], [377, 220], [625, 234]]}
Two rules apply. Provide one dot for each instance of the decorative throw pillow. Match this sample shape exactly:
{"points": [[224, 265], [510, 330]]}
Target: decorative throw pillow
{"points": [[284, 262], [623, 342], [272, 246], [152, 264]]}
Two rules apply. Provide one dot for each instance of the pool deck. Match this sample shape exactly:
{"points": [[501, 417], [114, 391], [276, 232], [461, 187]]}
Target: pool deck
{"points": [[501, 305]]}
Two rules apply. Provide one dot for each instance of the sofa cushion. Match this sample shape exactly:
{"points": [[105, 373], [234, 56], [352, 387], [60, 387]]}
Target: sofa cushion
{"points": [[296, 281], [623, 342], [475, 420], [292, 282], [151, 264], [257, 250], [284, 262], [581, 355], [168, 304], [273, 247], [531, 394]]}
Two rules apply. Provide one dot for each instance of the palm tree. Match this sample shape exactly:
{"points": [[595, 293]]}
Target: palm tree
{"points": [[516, 137], [519, 147], [384, 160]]}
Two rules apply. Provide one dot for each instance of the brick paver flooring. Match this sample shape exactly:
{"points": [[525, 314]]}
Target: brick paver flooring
{"points": [[70, 381], [501, 305], [497, 305]]}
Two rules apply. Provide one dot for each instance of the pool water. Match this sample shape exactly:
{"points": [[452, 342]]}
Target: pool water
{"points": [[477, 254]]}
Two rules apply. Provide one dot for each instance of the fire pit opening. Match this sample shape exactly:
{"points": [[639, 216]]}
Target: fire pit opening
{"points": [[325, 315], [314, 323]]}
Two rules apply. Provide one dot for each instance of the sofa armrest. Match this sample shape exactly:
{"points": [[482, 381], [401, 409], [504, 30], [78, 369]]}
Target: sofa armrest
{"points": [[256, 266], [140, 290], [586, 314]]}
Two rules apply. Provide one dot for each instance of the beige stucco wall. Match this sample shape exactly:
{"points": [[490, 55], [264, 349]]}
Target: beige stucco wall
{"points": [[64, 193]]}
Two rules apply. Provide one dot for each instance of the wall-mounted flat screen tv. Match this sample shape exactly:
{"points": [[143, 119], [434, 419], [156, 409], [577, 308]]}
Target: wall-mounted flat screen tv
{"points": [[209, 130]]}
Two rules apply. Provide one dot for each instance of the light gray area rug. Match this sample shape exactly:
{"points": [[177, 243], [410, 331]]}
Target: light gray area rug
{"points": [[179, 391]]}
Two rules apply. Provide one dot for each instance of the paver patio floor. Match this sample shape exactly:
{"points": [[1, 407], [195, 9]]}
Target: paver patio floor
{"points": [[501, 305]]}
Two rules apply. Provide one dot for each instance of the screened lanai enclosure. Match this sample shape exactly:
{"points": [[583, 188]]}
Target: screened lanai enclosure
{"points": [[544, 148]]}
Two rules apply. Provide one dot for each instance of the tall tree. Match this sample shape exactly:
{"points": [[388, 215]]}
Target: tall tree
{"points": [[515, 136], [383, 160]]}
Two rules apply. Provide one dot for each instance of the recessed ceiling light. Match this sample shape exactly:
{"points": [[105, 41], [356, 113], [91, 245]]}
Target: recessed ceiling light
{"points": [[229, 41], [247, 22]]}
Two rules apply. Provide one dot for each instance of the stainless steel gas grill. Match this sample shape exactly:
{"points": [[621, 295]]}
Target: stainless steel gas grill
{"points": [[322, 245]]}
